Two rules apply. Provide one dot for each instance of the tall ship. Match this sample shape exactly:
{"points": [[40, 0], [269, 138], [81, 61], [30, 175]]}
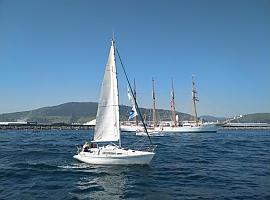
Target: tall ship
{"points": [[195, 126]]}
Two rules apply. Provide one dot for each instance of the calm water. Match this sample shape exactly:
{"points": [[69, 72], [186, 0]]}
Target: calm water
{"points": [[224, 165]]}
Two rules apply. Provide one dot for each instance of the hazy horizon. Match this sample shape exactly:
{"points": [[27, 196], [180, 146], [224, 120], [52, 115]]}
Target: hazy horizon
{"points": [[54, 52]]}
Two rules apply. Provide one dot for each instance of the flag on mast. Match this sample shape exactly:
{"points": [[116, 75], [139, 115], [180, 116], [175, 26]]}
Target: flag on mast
{"points": [[133, 113]]}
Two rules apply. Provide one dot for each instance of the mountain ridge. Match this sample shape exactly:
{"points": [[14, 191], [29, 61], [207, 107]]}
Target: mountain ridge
{"points": [[81, 112], [77, 112]]}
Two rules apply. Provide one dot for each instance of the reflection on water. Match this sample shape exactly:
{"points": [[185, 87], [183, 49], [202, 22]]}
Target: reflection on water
{"points": [[115, 182], [101, 183]]}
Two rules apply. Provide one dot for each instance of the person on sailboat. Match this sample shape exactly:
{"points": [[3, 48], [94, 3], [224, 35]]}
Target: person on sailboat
{"points": [[93, 145], [86, 147]]}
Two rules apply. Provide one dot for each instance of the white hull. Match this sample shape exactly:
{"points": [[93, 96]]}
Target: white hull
{"points": [[192, 129], [130, 128], [113, 155], [162, 131], [152, 133]]}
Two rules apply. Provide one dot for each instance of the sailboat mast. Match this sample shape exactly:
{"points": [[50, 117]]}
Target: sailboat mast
{"points": [[154, 104], [117, 121], [135, 99], [173, 107], [194, 99]]}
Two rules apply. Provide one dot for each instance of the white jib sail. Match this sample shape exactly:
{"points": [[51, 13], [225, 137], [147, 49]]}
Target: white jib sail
{"points": [[107, 121]]}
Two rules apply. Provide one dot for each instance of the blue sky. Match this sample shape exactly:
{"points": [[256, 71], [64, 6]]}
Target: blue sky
{"points": [[53, 51]]}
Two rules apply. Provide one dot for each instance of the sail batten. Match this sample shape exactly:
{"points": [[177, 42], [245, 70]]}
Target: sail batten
{"points": [[107, 121]]}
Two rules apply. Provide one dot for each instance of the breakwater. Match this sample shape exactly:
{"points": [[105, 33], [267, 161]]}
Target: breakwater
{"points": [[39, 127]]}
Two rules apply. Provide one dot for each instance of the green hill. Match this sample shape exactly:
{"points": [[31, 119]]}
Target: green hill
{"points": [[254, 118], [77, 112]]}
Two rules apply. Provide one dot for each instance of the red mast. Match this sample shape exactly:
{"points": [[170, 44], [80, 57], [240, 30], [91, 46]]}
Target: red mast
{"points": [[173, 106], [154, 104], [194, 99]]}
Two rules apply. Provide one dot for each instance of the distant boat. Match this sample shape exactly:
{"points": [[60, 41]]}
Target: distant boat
{"points": [[130, 127], [195, 126], [91, 123], [107, 129]]}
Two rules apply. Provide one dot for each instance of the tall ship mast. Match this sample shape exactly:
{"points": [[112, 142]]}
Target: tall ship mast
{"points": [[185, 126], [154, 104], [194, 99], [174, 124]]}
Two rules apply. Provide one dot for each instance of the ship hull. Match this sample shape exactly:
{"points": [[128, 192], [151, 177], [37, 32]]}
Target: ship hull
{"points": [[115, 156], [192, 129], [130, 128]]}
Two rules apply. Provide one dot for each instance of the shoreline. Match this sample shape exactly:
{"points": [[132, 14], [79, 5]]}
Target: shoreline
{"points": [[40, 127]]}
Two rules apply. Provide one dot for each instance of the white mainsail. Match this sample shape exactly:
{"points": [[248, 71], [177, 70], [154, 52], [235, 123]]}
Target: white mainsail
{"points": [[107, 127]]}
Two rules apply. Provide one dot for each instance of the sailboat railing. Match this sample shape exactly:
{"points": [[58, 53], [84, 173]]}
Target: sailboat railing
{"points": [[142, 145]]}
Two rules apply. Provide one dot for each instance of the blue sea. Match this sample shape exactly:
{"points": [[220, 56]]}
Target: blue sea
{"points": [[224, 165]]}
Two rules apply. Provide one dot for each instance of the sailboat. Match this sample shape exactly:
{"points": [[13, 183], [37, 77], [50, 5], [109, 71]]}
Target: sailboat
{"points": [[103, 149], [195, 126]]}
